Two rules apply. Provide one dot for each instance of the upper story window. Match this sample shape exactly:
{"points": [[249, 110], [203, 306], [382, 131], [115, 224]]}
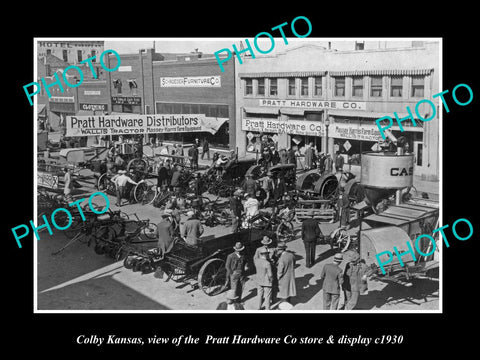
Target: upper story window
{"points": [[357, 86], [273, 87], [94, 55], [65, 55], [291, 87], [339, 86], [79, 55], [248, 86], [396, 86], [304, 86], [261, 87], [376, 86], [418, 86], [317, 86]]}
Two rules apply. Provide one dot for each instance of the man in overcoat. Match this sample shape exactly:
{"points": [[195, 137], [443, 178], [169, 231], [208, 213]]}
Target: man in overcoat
{"points": [[285, 273]]}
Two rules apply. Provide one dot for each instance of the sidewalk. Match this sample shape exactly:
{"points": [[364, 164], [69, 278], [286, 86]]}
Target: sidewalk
{"points": [[432, 188]]}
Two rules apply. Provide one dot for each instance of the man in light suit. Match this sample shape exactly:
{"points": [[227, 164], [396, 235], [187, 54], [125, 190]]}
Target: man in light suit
{"points": [[264, 279], [332, 276], [285, 273]]}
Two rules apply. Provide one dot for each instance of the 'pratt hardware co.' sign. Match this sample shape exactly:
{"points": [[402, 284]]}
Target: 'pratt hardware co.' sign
{"points": [[314, 104]]}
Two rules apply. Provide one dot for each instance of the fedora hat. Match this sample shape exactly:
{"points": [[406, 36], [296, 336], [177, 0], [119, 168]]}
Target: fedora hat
{"points": [[266, 240], [338, 257], [238, 246]]}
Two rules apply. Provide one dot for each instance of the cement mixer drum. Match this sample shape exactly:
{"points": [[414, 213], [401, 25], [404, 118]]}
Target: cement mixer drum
{"points": [[385, 170]]}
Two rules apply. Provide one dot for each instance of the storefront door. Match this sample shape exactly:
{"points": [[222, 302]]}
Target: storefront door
{"points": [[418, 152]]}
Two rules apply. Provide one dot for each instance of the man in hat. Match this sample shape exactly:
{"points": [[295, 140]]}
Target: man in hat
{"points": [[232, 302], [274, 155], [68, 184], [236, 208], [120, 180], [309, 156], [250, 185], [332, 280], [193, 156], [285, 273], [310, 234], [266, 245], [267, 186], [343, 206], [164, 233], [339, 162], [236, 265], [205, 148], [264, 280], [192, 229], [328, 164], [175, 181], [354, 281], [291, 157]]}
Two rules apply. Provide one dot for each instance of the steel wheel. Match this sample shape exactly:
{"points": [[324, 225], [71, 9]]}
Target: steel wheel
{"points": [[150, 231], [212, 276], [140, 165], [106, 185], [341, 238], [144, 192], [285, 231]]}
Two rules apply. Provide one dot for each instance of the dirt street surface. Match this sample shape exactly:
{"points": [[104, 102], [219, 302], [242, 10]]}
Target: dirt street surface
{"points": [[79, 279]]}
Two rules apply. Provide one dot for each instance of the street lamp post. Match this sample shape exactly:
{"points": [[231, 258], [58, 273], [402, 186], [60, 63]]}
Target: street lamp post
{"points": [[327, 124]]}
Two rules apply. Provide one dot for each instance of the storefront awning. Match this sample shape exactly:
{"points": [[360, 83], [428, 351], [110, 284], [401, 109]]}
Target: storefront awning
{"points": [[381, 72], [288, 111], [261, 110], [282, 74], [368, 114]]}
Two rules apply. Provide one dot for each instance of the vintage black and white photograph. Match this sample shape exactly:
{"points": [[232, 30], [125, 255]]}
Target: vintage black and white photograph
{"points": [[267, 174]]}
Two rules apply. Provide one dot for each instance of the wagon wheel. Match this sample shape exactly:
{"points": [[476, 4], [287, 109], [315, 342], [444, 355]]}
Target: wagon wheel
{"points": [[106, 185], [140, 165], [327, 187], [144, 192], [341, 238], [212, 276], [285, 231], [150, 231]]}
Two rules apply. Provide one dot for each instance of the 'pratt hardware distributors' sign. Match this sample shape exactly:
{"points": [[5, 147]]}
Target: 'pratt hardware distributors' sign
{"points": [[314, 104], [297, 127], [141, 124], [191, 81]]}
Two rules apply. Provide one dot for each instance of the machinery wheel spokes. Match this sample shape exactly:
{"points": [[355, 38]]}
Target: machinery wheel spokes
{"points": [[285, 231], [212, 276], [341, 238], [144, 192]]}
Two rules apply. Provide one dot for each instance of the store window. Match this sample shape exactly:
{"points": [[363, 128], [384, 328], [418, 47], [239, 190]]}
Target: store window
{"points": [[376, 86], [304, 86], [248, 87], [273, 87], [418, 86], [49, 51], [261, 87], [317, 85], [339, 86], [396, 86], [357, 86], [291, 87]]}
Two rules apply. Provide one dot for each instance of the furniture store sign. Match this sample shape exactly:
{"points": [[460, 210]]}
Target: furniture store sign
{"points": [[191, 81], [141, 124], [313, 104], [297, 127]]}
